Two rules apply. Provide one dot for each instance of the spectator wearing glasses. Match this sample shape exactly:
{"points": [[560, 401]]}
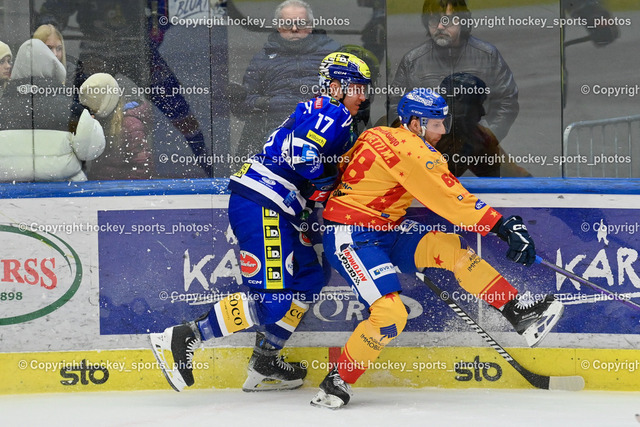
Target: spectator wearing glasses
{"points": [[450, 48], [273, 80]]}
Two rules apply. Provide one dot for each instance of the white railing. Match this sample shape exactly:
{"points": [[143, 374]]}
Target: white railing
{"points": [[602, 148]]}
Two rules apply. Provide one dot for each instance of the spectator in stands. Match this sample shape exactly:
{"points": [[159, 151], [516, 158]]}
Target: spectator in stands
{"points": [[451, 48], [36, 140], [127, 154], [469, 145], [124, 37], [54, 41], [6, 58], [273, 80]]}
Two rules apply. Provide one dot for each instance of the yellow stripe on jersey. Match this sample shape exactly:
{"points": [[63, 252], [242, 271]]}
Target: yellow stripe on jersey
{"points": [[272, 249]]}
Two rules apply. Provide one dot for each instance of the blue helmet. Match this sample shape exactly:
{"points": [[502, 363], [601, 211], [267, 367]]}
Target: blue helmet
{"points": [[344, 67], [424, 104]]}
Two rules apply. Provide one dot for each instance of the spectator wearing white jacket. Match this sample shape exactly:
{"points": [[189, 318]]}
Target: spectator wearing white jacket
{"points": [[37, 140]]}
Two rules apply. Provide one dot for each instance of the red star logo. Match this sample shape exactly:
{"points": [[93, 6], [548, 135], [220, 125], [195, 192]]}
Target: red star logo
{"points": [[434, 231], [390, 296], [401, 173], [409, 153], [438, 260]]}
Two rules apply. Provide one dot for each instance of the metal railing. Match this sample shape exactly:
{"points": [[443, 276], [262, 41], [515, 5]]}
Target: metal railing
{"points": [[602, 148]]}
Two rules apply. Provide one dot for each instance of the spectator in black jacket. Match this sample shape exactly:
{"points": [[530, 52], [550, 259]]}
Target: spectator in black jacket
{"points": [[451, 48], [469, 145], [282, 74]]}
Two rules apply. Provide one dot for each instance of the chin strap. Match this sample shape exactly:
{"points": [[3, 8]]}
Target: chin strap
{"points": [[328, 93], [423, 130]]}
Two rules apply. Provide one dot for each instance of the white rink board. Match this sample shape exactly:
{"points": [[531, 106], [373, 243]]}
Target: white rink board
{"points": [[75, 325]]}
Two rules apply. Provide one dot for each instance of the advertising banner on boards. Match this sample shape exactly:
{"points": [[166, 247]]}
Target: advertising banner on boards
{"points": [[161, 268]]}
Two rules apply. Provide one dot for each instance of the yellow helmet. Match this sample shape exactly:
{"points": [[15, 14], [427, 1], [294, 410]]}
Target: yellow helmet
{"points": [[344, 67]]}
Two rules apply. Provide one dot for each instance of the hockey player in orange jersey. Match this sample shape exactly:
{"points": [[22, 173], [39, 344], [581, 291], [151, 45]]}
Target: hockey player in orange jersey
{"points": [[367, 237]]}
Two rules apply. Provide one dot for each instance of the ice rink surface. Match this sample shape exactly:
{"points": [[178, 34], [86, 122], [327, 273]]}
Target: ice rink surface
{"points": [[368, 407]]}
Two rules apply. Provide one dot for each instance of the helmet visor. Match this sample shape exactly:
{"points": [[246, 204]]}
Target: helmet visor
{"points": [[356, 89], [438, 126]]}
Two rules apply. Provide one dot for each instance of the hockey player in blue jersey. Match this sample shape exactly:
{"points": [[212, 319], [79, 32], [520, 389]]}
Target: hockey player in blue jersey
{"points": [[271, 196]]}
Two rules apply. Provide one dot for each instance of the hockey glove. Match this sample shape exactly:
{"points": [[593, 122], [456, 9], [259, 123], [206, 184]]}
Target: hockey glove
{"points": [[321, 187], [521, 246]]}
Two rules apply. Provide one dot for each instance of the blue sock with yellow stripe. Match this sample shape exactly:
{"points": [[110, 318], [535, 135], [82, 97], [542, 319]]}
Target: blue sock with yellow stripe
{"points": [[229, 315]]}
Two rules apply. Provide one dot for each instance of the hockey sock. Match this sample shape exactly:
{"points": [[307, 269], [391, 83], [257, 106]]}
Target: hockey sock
{"points": [[279, 332], [475, 275], [388, 318], [478, 277], [231, 314]]}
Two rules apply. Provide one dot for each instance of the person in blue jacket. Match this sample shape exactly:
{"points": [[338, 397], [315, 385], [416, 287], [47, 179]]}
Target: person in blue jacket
{"points": [[272, 195]]}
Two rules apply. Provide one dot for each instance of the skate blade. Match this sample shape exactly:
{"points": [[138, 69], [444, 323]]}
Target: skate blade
{"points": [[535, 333], [257, 382], [324, 400], [158, 346]]}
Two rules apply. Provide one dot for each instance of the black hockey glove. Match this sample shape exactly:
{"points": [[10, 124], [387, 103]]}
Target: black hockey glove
{"points": [[521, 246], [321, 187]]}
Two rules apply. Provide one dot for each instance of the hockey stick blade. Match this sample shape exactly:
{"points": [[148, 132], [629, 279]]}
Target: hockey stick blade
{"points": [[546, 382], [584, 281]]}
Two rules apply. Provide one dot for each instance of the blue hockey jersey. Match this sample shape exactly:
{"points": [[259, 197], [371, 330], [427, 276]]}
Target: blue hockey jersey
{"points": [[316, 134]]}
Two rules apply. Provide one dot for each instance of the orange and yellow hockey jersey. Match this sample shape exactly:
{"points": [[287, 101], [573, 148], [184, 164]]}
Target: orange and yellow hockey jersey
{"points": [[388, 168]]}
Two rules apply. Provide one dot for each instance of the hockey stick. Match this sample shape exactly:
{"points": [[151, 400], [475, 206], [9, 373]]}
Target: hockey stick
{"points": [[569, 383], [577, 41], [579, 279]]}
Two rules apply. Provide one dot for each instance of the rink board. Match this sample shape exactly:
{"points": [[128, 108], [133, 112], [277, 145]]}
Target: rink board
{"points": [[97, 266], [220, 368]]}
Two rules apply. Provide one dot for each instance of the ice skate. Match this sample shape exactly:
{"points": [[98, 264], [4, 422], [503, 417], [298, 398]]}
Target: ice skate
{"points": [[269, 371], [334, 392], [533, 319], [173, 350]]}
